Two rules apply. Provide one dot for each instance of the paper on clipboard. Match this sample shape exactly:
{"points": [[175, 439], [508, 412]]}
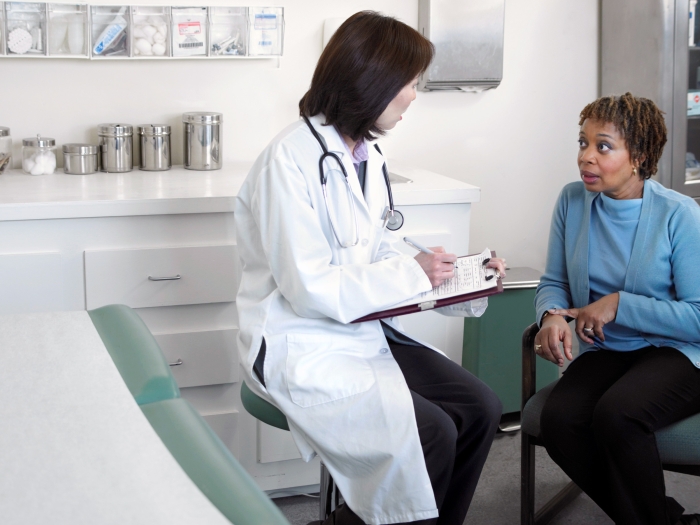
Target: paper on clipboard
{"points": [[470, 276], [472, 281]]}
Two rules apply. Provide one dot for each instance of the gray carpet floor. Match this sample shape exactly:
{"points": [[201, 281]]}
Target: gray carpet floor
{"points": [[497, 497]]}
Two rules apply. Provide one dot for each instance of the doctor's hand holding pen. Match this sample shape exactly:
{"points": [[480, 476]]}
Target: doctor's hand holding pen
{"points": [[439, 265]]}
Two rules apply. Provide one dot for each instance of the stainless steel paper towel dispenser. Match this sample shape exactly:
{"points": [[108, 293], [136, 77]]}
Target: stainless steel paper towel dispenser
{"points": [[468, 38]]}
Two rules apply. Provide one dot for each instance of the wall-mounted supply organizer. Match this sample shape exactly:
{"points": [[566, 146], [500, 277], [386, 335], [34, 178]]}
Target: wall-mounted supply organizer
{"points": [[33, 29]]}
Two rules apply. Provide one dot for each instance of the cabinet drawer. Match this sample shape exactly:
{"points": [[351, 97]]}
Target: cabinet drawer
{"points": [[208, 357], [161, 276]]}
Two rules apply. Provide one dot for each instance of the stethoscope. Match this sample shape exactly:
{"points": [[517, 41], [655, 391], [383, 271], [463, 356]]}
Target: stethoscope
{"points": [[393, 219]]}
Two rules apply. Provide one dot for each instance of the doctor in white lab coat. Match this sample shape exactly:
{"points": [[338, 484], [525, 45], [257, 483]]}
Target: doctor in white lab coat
{"points": [[403, 430]]}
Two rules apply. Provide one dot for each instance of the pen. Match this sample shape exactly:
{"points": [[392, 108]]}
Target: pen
{"points": [[418, 246]]}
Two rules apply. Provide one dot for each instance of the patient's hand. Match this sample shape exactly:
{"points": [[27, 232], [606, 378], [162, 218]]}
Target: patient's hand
{"points": [[593, 317], [554, 330]]}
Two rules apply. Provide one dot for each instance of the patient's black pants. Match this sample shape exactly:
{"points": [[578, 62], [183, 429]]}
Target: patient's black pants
{"points": [[598, 425], [457, 417]]}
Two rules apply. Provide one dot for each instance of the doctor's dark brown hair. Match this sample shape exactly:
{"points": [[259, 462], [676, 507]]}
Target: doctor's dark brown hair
{"points": [[639, 121], [368, 60]]}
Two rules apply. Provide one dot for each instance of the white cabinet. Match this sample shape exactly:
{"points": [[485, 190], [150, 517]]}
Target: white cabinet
{"points": [[71, 243]]}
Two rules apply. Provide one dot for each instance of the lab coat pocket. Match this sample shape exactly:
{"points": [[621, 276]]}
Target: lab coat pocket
{"points": [[322, 368]]}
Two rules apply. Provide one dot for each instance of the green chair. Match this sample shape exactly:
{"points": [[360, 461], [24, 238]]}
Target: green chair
{"points": [[193, 444], [271, 415], [210, 465], [136, 353], [678, 444]]}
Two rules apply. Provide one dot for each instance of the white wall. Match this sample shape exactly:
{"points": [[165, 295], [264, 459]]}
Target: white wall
{"points": [[517, 142]]}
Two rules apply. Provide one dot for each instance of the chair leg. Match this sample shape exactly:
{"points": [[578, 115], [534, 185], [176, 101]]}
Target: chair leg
{"points": [[555, 505], [327, 503], [527, 481]]}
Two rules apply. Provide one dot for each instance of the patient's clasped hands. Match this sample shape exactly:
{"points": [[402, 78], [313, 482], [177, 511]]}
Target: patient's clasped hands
{"points": [[589, 322]]}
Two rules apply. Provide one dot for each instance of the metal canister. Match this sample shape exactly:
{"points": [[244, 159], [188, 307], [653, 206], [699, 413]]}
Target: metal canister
{"points": [[116, 147], [80, 159], [203, 135], [155, 147]]}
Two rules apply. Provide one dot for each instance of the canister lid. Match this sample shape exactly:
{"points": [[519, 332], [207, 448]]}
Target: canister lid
{"points": [[115, 130], [4, 132], [80, 149], [39, 141], [153, 129], [202, 117]]}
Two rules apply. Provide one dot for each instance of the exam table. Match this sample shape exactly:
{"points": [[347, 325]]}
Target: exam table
{"points": [[75, 448]]}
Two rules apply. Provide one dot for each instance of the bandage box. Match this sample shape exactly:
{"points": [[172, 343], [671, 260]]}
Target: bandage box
{"points": [[693, 102]]}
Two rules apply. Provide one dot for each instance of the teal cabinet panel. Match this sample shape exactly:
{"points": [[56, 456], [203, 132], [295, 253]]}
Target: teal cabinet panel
{"points": [[492, 346]]}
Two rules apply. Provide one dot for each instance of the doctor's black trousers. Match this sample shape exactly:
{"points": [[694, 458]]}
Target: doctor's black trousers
{"points": [[457, 417]]}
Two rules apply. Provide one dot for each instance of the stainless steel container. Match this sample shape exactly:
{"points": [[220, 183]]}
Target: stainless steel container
{"points": [[116, 147], [154, 140], [80, 159], [203, 135]]}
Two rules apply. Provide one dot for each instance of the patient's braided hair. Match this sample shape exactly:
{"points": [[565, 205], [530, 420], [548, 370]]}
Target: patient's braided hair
{"points": [[639, 121]]}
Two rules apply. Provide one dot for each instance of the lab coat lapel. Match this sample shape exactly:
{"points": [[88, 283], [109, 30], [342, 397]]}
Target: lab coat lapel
{"points": [[375, 186]]}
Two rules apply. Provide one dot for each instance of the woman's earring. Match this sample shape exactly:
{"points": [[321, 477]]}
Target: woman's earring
{"points": [[634, 171]]}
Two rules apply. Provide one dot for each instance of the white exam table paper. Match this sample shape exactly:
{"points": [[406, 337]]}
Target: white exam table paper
{"points": [[75, 448]]}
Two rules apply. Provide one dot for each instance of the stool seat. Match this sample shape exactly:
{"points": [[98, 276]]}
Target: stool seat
{"points": [[261, 409]]}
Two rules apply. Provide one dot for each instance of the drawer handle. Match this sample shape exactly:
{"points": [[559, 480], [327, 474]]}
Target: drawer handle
{"points": [[175, 278], [177, 363]]}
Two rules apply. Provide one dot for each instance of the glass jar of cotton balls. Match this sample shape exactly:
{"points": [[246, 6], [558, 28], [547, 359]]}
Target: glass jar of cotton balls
{"points": [[39, 155], [150, 34]]}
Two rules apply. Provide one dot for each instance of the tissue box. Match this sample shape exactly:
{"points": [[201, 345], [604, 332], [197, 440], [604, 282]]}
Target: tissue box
{"points": [[694, 102]]}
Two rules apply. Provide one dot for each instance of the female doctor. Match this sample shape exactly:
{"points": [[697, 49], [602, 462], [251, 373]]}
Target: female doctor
{"points": [[403, 430]]}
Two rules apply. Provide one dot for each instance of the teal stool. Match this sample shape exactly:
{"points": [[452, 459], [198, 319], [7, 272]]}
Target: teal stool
{"points": [[271, 415], [198, 450]]}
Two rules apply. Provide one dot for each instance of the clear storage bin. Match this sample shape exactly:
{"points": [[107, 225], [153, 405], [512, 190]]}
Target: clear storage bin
{"points": [[25, 28], [189, 31], [39, 155], [150, 34], [110, 30], [266, 31], [228, 31], [68, 30]]}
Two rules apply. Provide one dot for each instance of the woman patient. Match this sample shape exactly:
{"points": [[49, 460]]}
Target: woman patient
{"points": [[623, 260]]}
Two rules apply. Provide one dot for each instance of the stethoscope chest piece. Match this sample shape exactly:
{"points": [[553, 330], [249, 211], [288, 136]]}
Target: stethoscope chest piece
{"points": [[393, 219]]}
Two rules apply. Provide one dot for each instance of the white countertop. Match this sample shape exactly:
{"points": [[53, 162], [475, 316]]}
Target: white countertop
{"points": [[75, 448], [61, 196]]}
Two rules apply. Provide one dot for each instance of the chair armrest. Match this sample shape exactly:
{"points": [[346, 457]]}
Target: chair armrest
{"points": [[529, 377]]}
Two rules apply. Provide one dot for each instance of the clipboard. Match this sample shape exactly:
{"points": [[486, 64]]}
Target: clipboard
{"points": [[430, 305]]}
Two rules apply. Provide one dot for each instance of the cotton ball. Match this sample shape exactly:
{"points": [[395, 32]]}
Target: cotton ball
{"points": [[136, 51], [156, 21], [158, 49], [149, 30], [39, 167], [140, 19], [138, 32], [158, 38], [143, 46], [28, 164], [163, 30]]}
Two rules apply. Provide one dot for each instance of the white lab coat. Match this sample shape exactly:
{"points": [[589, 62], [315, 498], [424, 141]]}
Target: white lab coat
{"points": [[338, 384]]}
